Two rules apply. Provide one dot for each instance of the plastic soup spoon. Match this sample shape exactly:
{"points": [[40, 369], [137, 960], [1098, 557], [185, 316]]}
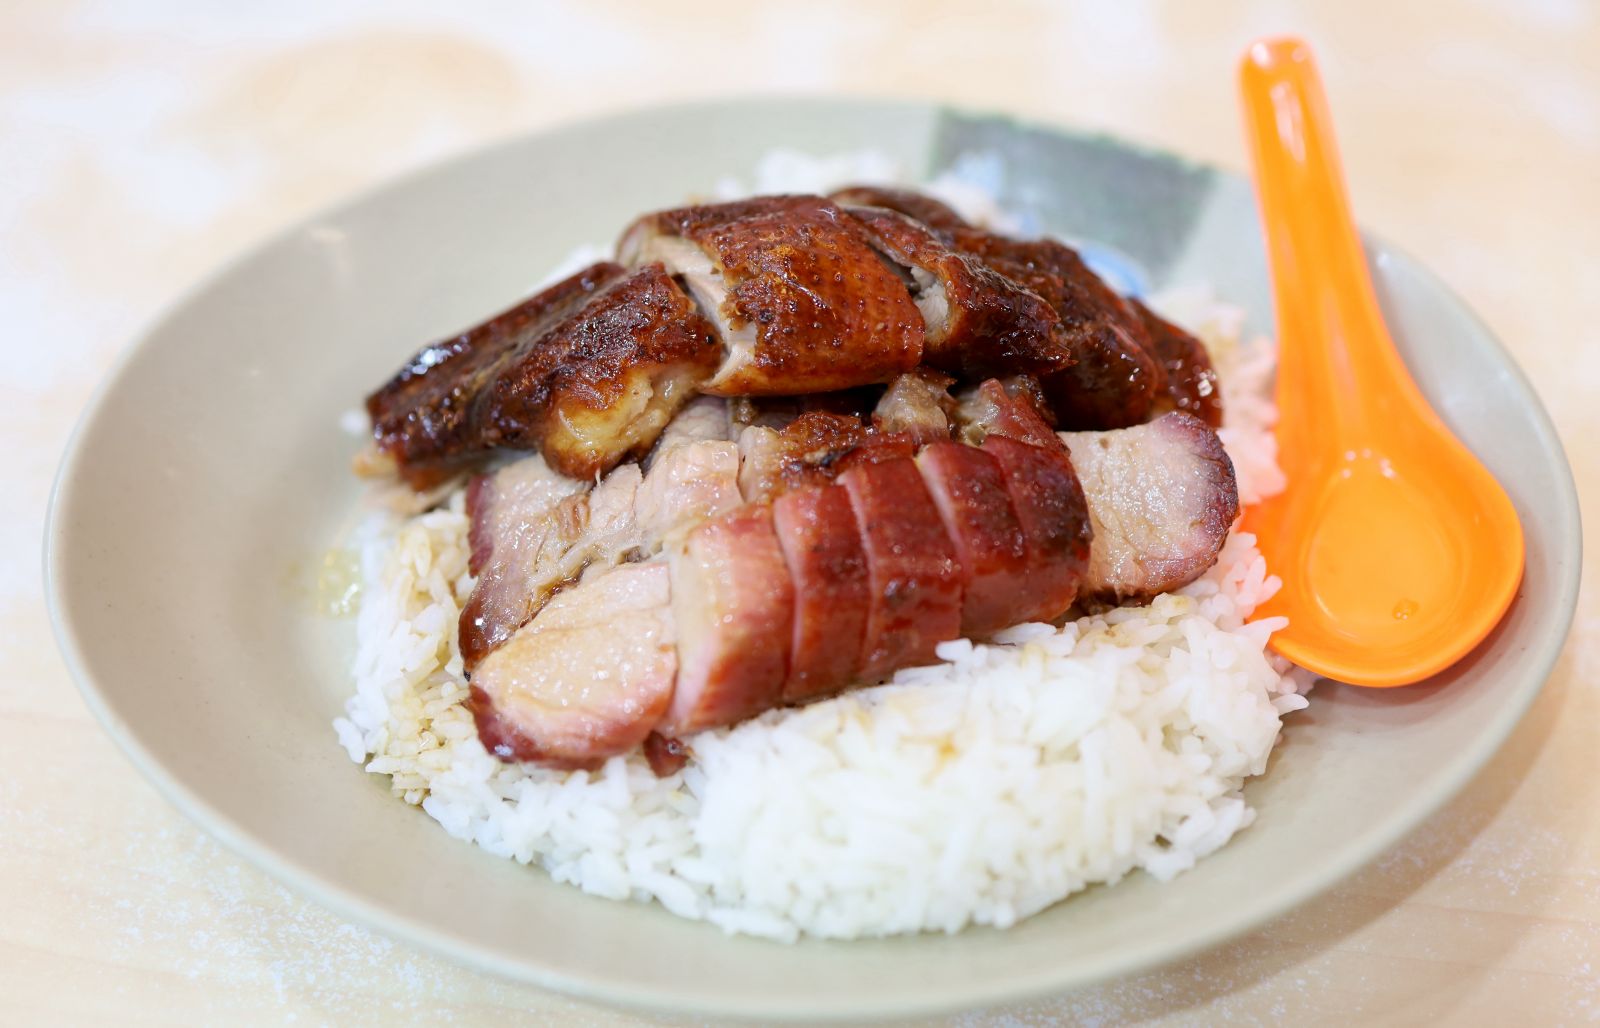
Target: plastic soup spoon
{"points": [[1398, 551]]}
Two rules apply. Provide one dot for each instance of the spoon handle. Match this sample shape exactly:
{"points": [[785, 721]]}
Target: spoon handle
{"points": [[1334, 350]]}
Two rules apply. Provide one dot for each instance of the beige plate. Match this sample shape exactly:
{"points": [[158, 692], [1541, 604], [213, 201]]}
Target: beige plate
{"points": [[211, 465]]}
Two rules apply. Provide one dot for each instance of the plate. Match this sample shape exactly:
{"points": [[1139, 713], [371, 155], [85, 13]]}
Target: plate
{"points": [[210, 466]]}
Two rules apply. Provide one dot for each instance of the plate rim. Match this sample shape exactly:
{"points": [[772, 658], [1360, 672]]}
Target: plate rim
{"points": [[463, 951]]}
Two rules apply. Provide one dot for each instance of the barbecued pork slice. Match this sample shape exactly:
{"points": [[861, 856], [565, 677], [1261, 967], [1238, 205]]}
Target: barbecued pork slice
{"points": [[933, 213], [1191, 382], [913, 576], [970, 493], [801, 301], [821, 545], [601, 385], [1113, 380], [514, 513], [585, 680], [425, 420], [978, 321], [1044, 490], [534, 531], [733, 603], [1161, 499]]}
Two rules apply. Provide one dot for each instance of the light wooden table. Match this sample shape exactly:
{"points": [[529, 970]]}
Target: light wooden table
{"points": [[138, 150]]}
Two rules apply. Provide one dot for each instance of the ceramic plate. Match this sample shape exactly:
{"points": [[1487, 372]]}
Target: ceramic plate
{"points": [[211, 466]]}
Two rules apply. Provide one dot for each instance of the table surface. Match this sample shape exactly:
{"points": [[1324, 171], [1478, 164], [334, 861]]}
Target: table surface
{"points": [[138, 151]]}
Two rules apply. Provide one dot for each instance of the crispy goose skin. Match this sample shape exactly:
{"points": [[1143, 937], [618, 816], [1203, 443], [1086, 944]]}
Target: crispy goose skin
{"points": [[978, 321], [1191, 382], [802, 303], [426, 419], [602, 384], [1161, 499], [822, 547], [914, 581], [1113, 381], [932, 213], [586, 679], [733, 603]]}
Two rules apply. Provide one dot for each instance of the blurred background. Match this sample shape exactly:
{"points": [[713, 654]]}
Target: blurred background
{"points": [[142, 144]]}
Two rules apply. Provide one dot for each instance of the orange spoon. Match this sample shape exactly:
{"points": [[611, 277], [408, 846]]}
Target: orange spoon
{"points": [[1397, 549]]}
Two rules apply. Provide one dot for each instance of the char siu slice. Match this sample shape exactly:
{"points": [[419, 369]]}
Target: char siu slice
{"points": [[822, 547], [585, 680], [733, 603], [1161, 499], [970, 493], [914, 579]]}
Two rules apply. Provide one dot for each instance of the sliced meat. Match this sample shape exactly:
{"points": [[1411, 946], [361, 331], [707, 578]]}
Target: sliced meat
{"points": [[514, 514], [1044, 491], [933, 213], [821, 545], [1191, 382], [585, 680], [1113, 381], [801, 302], [999, 407], [734, 607], [533, 531], [693, 476], [917, 404], [914, 579], [1051, 509], [970, 493], [1161, 499], [804, 452], [425, 421], [601, 385], [978, 321]]}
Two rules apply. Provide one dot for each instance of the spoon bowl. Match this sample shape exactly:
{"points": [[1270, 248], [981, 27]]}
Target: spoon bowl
{"points": [[1398, 550]]}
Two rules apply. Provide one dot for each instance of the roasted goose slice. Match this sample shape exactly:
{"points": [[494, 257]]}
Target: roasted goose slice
{"points": [[978, 321], [426, 422], [800, 300], [588, 373], [913, 579], [1191, 382], [1161, 499], [1113, 381], [933, 213], [601, 385], [822, 547], [733, 604], [586, 679]]}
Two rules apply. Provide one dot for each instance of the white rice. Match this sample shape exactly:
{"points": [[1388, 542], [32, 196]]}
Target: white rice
{"points": [[978, 791]]}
